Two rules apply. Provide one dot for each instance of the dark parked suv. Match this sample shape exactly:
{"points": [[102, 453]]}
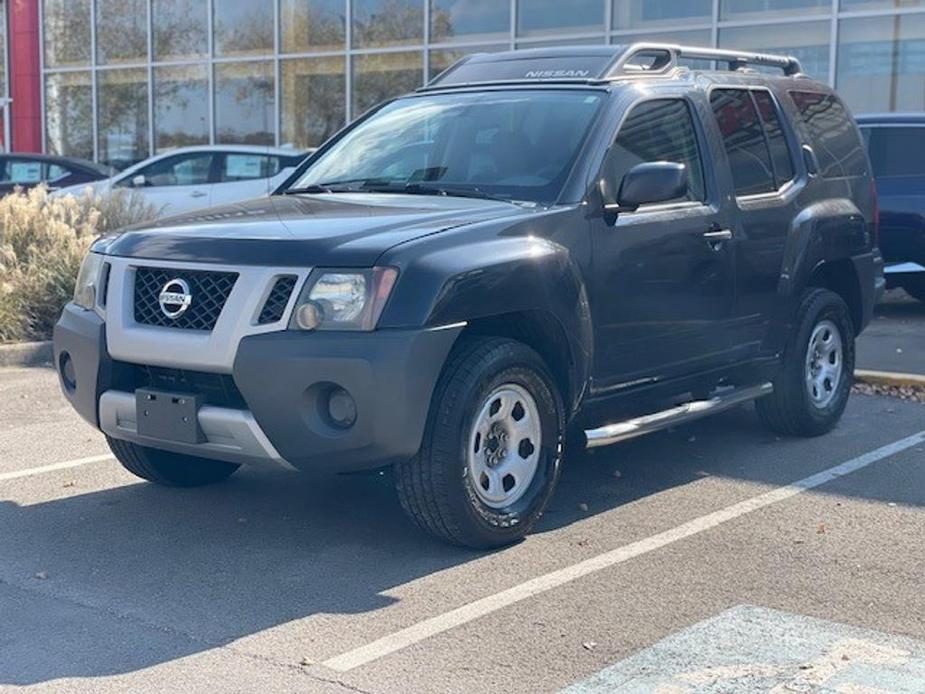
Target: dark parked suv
{"points": [[582, 245], [896, 146]]}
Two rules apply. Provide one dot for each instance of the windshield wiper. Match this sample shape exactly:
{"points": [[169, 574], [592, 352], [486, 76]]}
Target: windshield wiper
{"points": [[445, 191]]}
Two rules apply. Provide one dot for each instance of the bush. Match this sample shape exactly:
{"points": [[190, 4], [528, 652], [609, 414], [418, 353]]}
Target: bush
{"points": [[42, 242]]}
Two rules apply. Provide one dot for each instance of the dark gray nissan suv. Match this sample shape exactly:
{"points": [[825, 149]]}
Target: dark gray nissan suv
{"points": [[575, 245]]}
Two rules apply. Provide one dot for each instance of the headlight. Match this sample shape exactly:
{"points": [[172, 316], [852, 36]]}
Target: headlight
{"points": [[87, 281], [343, 299]]}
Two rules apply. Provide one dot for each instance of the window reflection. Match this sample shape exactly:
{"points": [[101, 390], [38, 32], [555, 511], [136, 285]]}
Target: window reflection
{"points": [[469, 20], [66, 27], [759, 9], [387, 22], [69, 114], [380, 77], [442, 59], [632, 14], [180, 29], [554, 16], [121, 31], [181, 106], [313, 106], [881, 63], [849, 5], [312, 25], [244, 103], [243, 27], [808, 41], [123, 116]]}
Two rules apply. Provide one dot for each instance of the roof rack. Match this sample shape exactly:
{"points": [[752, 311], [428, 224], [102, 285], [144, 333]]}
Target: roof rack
{"points": [[666, 56], [593, 64]]}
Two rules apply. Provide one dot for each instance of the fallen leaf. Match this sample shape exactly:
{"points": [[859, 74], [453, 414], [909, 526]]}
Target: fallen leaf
{"points": [[305, 662], [582, 507], [617, 474], [821, 529], [589, 645], [41, 575], [72, 483]]}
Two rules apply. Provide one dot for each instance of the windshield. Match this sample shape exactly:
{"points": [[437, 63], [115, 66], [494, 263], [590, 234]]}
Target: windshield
{"points": [[515, 145]]}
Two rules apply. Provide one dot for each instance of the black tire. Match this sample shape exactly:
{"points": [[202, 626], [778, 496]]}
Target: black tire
{"points": [[790, 408], [169, 469], [915, 287], [436, 488]]}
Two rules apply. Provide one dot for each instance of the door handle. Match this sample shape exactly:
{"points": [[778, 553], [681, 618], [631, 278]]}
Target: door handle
{"points": [[717, 237], [198, 194]]}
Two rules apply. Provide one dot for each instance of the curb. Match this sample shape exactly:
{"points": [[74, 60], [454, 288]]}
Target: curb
{"points": [[27, 354], [890, 378]]}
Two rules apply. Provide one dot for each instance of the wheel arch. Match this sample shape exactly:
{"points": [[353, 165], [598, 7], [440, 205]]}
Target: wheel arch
{"points": [[841, 277]]}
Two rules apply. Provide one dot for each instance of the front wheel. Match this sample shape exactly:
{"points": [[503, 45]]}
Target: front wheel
{"points": [[814, 383], [492, 447]]}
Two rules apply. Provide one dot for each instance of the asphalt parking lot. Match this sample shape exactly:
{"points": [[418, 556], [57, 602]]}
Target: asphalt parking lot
{"points": [[652, 555], [895, 339]]}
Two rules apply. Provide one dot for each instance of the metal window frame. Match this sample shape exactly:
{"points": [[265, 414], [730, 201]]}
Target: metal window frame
{"points": [[833, 15]]}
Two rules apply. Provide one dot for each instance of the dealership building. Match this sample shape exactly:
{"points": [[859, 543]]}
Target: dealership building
{"points": [[119, 80]]}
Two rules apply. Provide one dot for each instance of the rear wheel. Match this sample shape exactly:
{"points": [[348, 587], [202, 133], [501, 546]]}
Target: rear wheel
{"points": [[490, 457], [814, 383], [915, 286], [169, 469]]}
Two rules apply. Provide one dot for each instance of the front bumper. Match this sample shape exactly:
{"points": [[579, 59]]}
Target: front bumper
{"points": [[284, 378]]}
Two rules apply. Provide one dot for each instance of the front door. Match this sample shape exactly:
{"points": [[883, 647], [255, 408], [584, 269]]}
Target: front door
{"points": [[664, 274]]}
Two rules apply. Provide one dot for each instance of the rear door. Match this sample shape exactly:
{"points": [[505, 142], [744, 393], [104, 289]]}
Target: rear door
{"points": [[761, 164], [664, 275], [244, 175]]}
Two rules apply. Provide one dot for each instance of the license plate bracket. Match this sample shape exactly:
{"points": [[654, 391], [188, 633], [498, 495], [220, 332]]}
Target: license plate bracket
{"points": [[168, 416]]}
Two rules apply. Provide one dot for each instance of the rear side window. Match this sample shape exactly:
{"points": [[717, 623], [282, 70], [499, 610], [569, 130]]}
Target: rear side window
{"points": [[897, 151], [832, 134], [777, 141], [744, 138], [245, 167], [658, 130], [756, 146]]}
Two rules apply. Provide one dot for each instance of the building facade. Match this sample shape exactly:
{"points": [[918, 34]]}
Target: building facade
{"points": [[118, 80]]}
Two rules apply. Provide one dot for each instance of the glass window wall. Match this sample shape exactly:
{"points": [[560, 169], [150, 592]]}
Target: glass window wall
{"points": [[313, 104], [181, 106]]}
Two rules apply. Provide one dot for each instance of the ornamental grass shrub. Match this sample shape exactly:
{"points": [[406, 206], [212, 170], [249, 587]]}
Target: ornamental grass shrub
{"points": [[42, 242]]}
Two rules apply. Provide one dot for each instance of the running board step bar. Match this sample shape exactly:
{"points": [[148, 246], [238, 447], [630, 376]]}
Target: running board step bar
{"points": [[688, 412]]}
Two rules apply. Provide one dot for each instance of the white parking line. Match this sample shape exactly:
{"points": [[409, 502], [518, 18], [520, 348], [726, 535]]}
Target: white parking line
{"points": [[484, 606], [29, 472]]}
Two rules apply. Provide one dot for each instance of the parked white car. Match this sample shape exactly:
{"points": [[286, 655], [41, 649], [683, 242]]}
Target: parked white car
{"points": [[191, 178]]}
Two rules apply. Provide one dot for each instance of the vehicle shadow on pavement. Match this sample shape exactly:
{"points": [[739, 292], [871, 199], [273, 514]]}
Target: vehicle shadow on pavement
{"points": [[159, 574]]}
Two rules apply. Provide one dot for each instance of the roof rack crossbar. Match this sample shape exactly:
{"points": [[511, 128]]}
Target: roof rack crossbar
{"points": [[665, 56]]}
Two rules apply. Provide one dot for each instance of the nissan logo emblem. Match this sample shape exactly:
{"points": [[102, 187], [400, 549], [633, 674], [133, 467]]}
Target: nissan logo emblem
{"points": [[175, 298]]}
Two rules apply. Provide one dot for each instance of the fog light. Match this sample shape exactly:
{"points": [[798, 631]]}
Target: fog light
{"points": [[309, 315], [342, 409], [66, 368]]}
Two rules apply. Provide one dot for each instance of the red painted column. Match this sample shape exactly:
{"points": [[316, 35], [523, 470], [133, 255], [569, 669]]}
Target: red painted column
{"points": [[25, 76]]}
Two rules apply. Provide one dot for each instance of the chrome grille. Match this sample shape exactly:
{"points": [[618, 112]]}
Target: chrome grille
{"points": [[275, 305], [210, 291]]}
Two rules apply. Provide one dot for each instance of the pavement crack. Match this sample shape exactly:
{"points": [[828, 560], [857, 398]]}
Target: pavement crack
{"points": [[202, 644]]}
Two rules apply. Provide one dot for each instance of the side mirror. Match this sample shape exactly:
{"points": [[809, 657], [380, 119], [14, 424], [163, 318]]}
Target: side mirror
{"points": [[651, 182], [139, 181]]}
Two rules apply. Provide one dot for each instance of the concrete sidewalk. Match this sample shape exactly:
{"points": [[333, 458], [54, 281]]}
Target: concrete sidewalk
{"points": [[895, 339]]}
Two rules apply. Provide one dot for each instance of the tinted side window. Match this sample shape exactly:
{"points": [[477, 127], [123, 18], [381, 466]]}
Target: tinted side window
{"points": [[832, 134], [21, 171], [660, 130], [897, 151], [56, 172], [245, 167], [743, 137], [777, 141], [182, 170]]}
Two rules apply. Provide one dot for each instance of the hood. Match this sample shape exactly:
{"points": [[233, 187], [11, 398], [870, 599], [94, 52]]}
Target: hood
{"points": [[346, 229]]}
